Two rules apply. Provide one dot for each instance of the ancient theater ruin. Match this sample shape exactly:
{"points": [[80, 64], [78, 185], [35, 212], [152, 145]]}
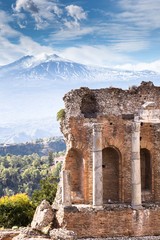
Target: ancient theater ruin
{"points": [[111, 175]]}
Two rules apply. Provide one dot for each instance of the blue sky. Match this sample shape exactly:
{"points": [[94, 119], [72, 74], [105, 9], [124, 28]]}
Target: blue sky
{"points": [[118, 33]]}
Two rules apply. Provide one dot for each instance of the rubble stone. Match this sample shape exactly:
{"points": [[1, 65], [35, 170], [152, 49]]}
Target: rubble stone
{"points": [[62, 234], [43, 217], [29, 234], [8, 234]]}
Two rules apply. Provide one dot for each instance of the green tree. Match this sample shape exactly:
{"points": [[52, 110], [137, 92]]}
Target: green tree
{"points": [[48, 189], [56, 170], [50, 158]]}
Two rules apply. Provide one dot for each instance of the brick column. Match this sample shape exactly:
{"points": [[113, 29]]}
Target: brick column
{"points": [[136, 170], [66, 188], [97, 166]]}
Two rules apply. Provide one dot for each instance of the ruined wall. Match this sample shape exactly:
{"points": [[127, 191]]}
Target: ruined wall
{"points": [[110, 101], [110, 222], [114, 109]]}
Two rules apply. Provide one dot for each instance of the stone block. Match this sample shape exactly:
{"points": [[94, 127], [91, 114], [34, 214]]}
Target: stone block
{"points": [[43, 217]]}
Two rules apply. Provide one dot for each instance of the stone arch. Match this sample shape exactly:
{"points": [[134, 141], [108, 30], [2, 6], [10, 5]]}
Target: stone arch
{"points": [[74, 163], [146, 170], [111, 171], [89, 105]]}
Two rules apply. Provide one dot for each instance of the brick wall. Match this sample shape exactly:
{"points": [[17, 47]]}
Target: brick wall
{"points": [[114, 109], [122, 221]]}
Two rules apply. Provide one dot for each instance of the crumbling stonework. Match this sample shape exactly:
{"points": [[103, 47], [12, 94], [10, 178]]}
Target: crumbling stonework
{"points": [[115, 110], [113, 157]]}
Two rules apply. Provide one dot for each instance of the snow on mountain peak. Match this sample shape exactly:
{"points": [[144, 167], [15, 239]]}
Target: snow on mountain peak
{"points": [[33, 61]]}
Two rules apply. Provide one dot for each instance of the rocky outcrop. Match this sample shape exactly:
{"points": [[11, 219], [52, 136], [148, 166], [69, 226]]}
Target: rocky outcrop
{"points": [[43, 217]]}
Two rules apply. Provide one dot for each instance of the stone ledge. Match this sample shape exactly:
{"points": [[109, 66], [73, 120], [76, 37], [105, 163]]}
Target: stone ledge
{"points": [[8, 234]]}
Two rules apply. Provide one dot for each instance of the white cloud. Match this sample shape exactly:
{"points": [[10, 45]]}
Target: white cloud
{"points": [[151, 66], [47, 12], [72, 33], [27, 5], [95, 55], [30, 47], [26, 46], [134, 23], [143, 14], [121, 37], [71, 24], [5, 18], [8, 51], [5, 29], [130, 46], [76, 12], [14, 44], [43, 12]]}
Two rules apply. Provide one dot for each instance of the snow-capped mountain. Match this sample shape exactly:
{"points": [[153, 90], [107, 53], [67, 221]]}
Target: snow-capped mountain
{"points": [[32, 88], [53, 67]]}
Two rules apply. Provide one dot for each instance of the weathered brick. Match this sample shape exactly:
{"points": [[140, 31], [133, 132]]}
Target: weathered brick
{"points": [[115, 110]]}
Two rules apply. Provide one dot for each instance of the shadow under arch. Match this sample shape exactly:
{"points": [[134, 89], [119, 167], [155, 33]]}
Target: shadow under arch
{"points": [[74, 163], [111, 167], [146, 170]]}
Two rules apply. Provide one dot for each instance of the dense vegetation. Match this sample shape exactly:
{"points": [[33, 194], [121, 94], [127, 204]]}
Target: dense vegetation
{"points": [[25, 180], [22, 174], [15, 210]]}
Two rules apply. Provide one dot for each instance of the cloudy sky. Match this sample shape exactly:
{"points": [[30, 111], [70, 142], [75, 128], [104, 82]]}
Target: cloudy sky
{"points": [[121, 33]]}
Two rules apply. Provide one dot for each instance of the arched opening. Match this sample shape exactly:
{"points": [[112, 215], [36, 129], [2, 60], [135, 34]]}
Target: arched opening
{"points": [[146, 172], [89, 105], [110, 166], [74, 163]]}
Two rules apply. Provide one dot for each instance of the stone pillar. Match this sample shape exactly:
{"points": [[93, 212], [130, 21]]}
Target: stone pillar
{"points": [[66, 188], [97, 166], [136, 169]]}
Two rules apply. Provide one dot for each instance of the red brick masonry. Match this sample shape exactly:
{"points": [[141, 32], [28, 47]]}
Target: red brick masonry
{"points": [[110, 221]]}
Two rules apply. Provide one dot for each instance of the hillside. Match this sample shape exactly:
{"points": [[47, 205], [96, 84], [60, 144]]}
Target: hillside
{"points": [[41, 147]]}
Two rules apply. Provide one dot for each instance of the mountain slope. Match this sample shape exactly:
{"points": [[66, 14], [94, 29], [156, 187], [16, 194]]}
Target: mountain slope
{"points": [[58, 69], [41, 147]]}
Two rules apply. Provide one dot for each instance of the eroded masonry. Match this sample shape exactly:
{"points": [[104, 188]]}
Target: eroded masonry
{"points": [[113, 159]]}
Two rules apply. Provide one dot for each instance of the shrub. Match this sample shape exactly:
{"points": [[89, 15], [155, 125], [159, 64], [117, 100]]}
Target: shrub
{"points": [[60, 115], [16, 210]]}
